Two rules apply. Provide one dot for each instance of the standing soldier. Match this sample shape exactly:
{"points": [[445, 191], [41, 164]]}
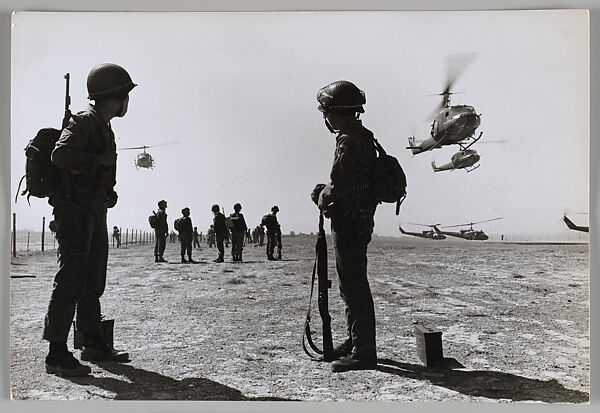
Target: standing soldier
{"points": [[270, 221], [183, 225], [117, 236], [161, 230], [278, 241], [347, 201], [86, 157], [210, 236], [261, 235], [196, 236], [238, 231], [220, 231]]}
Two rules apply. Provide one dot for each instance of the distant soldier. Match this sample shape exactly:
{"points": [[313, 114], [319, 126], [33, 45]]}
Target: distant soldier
{"points": [[261, 235], [201, 238], [270, 221], [220, 231], [248, 236], [278, 241], [351, 207], [210, 236], [183, 225], [238, 231], [161, 231], [117, 236], [86, 157], [196, 236]]}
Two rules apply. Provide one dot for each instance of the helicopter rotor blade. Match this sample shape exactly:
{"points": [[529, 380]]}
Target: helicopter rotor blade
{"points": [[164, 144], [471, 223], [424, 225], [134, 147]]}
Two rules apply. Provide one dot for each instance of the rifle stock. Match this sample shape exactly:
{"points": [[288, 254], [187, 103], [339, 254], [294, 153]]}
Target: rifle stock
{"points": [[67, 116]]}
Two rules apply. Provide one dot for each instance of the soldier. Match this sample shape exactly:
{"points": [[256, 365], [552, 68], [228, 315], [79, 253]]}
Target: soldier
{"points": [[347, 201], [238, 231], [220, 231], [261, 235], [184, 227], [278, 241], [210, 236], [161, 231], [117, 236], [270, 221], [86, 157], [196, 236]]}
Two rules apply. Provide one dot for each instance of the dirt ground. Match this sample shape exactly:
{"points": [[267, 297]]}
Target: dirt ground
{"points": [[514, 320]]}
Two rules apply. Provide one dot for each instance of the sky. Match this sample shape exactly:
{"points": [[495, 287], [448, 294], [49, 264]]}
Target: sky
{"points": [[238, 92]]}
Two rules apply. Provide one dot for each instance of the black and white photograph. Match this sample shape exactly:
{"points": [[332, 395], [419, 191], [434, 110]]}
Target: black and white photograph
{"points": [[315, 206]]}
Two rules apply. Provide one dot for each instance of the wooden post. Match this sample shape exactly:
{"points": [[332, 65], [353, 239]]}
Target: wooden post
{"points": [[27, 240], [136, 238], [14, 243], [43, 231], [126, 235]]}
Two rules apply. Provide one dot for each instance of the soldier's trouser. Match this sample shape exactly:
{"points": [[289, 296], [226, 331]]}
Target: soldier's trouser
{"points": [[219, 241], [237, 242], [271, 243], [186, 245], [196, 243], [79, 283], [350, 241], [160, 243]]}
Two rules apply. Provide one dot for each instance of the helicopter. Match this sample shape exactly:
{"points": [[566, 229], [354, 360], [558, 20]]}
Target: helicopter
{"points": [[433, 233], [574, 227], [451, 124], [144, 159], [460, 160], [469, 234]]}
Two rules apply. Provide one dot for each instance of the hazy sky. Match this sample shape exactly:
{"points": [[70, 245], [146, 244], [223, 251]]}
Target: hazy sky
{"points": [[237, 90]]}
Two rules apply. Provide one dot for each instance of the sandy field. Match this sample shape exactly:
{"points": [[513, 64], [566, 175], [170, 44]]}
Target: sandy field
{"points": [[514, 322]]}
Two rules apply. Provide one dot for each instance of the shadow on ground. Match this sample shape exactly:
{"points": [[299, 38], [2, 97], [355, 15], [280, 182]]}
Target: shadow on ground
{"points": [[490, 384], [140, 384]]}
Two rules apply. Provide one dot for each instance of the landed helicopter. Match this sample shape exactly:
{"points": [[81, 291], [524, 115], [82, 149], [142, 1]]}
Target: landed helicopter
{"points": [[144, 159], [451, 124], [433, 233], [574, 227], [469, 234]]}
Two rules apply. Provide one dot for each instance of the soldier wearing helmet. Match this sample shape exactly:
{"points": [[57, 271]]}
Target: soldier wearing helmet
{"points": [[161, 232], [238, 232], [186, 234], [270, 221], [220, 231], [347, 202], [86, 156]]}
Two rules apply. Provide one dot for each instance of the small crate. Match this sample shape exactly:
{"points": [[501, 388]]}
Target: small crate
{"points": [[429, 345], [107, 334]]}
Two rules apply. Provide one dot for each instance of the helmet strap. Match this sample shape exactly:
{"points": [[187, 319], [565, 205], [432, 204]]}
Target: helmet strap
{"points": [[329, 126]]}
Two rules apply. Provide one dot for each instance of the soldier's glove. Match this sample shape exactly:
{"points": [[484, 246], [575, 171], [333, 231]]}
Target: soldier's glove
{"points": [[314, 195], [111, 199], [107, 158]]}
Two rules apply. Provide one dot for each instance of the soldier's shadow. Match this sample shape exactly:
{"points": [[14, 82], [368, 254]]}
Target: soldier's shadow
{"points": [[490, 384], [140, 384]]}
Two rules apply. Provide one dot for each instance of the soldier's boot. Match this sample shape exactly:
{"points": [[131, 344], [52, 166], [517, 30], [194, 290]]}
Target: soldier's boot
{"points": [[61, 362], [161, 259], [343, 349], [240, 257], [354, 362], [95, 349], [190, 260], [270, 257], [156, 258], [219, 259], [183, 261]]}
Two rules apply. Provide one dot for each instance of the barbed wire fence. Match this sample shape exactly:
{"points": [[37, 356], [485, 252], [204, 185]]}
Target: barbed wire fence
{"points": [[26, 240]]}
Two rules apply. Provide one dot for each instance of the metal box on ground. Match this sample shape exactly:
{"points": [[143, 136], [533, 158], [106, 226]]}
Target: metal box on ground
{"points": [[429, 345]]}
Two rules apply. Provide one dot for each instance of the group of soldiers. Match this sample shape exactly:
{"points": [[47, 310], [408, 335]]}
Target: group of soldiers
{"points": [[222, 230], [86, 156]]}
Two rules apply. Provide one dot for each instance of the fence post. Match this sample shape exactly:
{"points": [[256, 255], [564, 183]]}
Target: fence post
{"points": [[136, 238], [43, 231], [14, 243], [126, 236], [27, 240]]}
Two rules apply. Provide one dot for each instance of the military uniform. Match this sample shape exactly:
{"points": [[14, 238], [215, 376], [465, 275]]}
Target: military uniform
{"points": [[270, 221], [186, 231], [80, 207], [161, 230], [220, 232], [238, 232], [351, 227]]}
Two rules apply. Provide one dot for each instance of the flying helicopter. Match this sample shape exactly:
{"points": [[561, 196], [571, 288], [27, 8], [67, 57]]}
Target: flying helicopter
{"points": [[574, 227], [144, 159], [451, 124], [433, 233], [460, 160], [469, 234]]}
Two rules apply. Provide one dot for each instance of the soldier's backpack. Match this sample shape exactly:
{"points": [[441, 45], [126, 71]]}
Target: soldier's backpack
{"points": [[269, 221], [388, 179], [176, 224], [153, 220], [41, 176]]}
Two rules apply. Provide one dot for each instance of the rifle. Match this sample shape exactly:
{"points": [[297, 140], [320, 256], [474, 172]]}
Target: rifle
{"points": [[67, 116], [320, 271]]}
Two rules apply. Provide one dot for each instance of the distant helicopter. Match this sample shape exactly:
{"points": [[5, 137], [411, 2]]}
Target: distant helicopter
{"points": [[144, 159], [572, 226], [460, 160], [469, 234], [433, 233], [451, 124]]}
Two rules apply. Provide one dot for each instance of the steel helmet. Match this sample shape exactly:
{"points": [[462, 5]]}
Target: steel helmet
{"points": [[275, 209], [237, 207], [341, 96], [215, 208], [108, 80]]}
